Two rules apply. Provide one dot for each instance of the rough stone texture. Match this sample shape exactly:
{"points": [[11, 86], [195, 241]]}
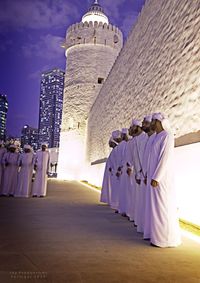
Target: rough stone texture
{"points": [[91, 51], [68, 237], [158, 69], [85, 64]]}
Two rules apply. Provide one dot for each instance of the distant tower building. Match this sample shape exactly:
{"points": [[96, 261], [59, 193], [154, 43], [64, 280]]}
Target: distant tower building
{"points": [[3, 116], [29, 136], [51, 104], [92, 47]]}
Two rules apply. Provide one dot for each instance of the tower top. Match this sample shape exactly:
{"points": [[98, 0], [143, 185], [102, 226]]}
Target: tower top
{"points": [[95, 14]]}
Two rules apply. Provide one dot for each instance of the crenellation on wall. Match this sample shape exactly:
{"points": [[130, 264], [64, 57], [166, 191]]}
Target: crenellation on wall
{"points": [[94, 33], [157, 70]]}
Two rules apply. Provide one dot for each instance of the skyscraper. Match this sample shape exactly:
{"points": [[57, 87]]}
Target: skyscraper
{"points": [[3, 116], [29, 136], [51, 103]]}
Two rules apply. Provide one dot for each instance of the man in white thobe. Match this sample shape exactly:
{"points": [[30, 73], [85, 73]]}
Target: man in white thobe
{"points": [[10, 163], [130, 176], [41, 165], [26, 160], [113, 166], [2, 152], [121, 172], [146, 184], [106, 185], [140, 141], [164, 215]]}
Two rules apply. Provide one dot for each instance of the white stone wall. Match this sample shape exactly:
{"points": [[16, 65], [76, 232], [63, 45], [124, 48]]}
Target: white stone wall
{"points": [[91, 50], [158, 69], [85, 64]]}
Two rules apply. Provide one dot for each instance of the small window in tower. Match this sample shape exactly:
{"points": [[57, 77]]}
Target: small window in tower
{"points": [[100, 80], [116, 39], [105, 41], [95, 40]]}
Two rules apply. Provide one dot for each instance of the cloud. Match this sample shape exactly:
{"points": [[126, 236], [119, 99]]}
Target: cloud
{"points": [[48, 46], [36, 14]]}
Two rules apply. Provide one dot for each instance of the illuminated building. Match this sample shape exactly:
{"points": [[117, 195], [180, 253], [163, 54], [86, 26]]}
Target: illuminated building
{"points": [[29, 136], [51, 103], [3, 116]]}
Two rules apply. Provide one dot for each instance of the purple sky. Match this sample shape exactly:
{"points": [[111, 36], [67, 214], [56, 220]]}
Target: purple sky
{"points": [[31, 32]]}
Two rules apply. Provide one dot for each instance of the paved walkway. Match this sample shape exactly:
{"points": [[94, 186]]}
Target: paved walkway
{"points": [[70, 237]]}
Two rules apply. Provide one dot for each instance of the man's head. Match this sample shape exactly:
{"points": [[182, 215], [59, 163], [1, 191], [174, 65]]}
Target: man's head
{"points": [[12, 148], [116, 135], [112, 143], [27, 148], [146, 123], [156, 124], [130, 131], [124, 134], [135, 128], [44, 147]]}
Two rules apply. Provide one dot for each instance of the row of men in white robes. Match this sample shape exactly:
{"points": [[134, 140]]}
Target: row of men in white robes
{"points": [[138, 179], [16, 171]]}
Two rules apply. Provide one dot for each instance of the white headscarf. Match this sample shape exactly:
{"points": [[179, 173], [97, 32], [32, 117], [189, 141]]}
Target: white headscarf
{"points": [[166, 125], [45, 143], [124, 131], [148, 118], [116, 134], [158, 116], [13, 146], [27, 146], [136, 123], [164, 121]]}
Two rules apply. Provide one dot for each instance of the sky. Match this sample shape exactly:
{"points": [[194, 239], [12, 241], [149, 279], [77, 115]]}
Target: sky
{"points": [[31, 33]]}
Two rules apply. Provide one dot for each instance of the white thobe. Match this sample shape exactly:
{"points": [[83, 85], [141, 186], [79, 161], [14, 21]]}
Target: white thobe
{"points": [[131, 180], [40, 183], [25, 175], [10, 162], [147, 187], [2, 152], [122, 208], [114, 180], [165, 230], [106, 185], [139, 147]]}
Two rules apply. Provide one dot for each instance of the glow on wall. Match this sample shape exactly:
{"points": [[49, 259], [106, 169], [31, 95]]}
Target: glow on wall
{"points": [[71, 163], [187, 173]]}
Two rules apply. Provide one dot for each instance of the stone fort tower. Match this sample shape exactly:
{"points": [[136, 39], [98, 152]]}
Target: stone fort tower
{"points": [[92, 47]]}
